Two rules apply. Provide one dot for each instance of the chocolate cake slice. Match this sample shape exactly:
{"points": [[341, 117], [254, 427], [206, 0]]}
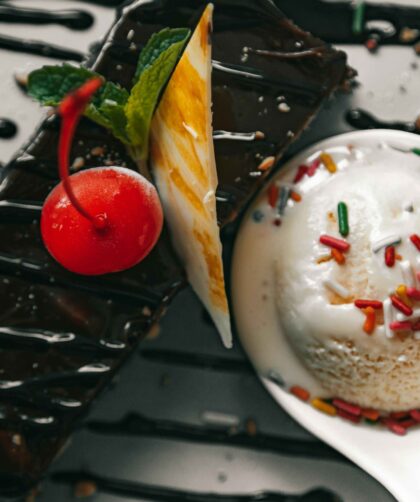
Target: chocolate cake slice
{"points": [[63, 336]]}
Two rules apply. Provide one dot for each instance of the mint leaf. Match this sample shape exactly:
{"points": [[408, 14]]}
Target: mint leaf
{"points": [[127, 116], [144, 95], [158, 43], [50, 84]]}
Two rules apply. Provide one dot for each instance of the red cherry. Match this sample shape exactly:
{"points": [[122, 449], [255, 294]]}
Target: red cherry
{"points": [[128, 221], [100, 220]]}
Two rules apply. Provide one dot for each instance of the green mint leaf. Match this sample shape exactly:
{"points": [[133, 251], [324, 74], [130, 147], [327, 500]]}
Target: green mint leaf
{"points": [[50, 84], [158, 43], [145, 93], [127, 116]]}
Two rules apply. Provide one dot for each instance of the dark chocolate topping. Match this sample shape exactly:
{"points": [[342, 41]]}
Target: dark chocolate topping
{"points": [[62, 336]]}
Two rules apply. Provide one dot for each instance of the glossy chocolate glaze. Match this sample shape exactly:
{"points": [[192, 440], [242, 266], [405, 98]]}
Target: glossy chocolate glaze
{"points": [[64, 335]]}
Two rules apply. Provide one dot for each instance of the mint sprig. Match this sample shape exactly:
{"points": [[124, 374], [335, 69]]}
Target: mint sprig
{"points": [[127, 115]]}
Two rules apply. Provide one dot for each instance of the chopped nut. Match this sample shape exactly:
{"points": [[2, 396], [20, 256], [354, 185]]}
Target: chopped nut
{"points": [[85, 489], [251, 427], [97, 151], [408, 34], [259, 135], [78, 163], [146, 311], [21, 79], [284, 107], [267, 163]]}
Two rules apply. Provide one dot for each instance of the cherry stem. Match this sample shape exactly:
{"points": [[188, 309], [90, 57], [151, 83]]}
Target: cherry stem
{"points": [[71, 109]]}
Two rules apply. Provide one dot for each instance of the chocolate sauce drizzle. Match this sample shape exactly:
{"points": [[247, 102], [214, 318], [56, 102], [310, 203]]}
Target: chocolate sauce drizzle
{"points": [[76, 331], [124, 488], [139, 425], [39, 48], [73, 19], [361, 119], [8, 129]]}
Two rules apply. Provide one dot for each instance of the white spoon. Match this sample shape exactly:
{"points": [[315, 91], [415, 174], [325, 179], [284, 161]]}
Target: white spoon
{"points": [[393, 460]]}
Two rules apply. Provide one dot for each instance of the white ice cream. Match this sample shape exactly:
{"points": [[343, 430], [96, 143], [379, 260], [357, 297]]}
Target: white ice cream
{"points": [[282, 306]]}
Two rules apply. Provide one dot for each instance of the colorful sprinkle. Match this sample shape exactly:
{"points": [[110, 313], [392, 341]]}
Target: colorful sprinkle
{"points": [[343, 220], [277, 222], [266, 163], [338, 256], [321, 405], [372, 43], [358, 18], [284, 197], [390, 256], [371, 414], [353, 409], [363, 304], [401, 306], [337, 288], [388, 318], [370, 321], [273, 195], [295, 196], [389, 240], [415, 239], [301, 171], [394, 426], [328, 162], [348, 416], [401, 292], [400, 325], [413, 293], [398, 415], [300, 392], [415, 414], [313, 167], [332, 242], [398, 257], [407, 423]]}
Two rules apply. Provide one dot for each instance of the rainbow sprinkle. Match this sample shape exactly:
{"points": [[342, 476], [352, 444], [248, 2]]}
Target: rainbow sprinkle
{"points": [[328, 162], [343, 219]]}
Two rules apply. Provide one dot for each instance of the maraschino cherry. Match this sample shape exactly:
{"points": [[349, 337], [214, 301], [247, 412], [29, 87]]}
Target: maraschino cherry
{"points": [[103, 219]]}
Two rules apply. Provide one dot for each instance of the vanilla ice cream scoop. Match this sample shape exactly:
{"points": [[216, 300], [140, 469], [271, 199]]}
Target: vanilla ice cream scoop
{"points": [[297, 304]]}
